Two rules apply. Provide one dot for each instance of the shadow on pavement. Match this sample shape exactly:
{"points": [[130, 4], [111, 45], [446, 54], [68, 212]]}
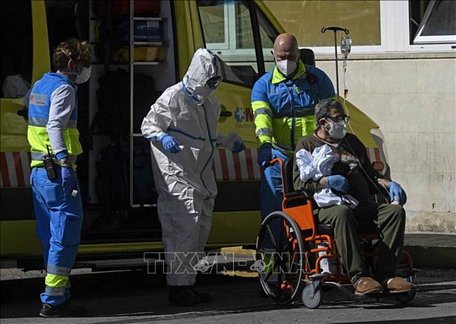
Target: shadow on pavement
{"points": [[136, 293], [133, 293]]}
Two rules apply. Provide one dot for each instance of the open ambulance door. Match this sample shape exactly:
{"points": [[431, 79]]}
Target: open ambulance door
{"points": [[242, 35]]}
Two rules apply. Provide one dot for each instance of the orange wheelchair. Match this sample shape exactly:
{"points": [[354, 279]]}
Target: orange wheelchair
{"points": [[296, 255]]}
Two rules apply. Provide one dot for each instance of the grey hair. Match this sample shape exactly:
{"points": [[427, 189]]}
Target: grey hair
{"points": [[324, 106]]}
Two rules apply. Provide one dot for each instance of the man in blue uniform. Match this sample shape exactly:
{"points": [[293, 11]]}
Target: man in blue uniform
{"points": [[283, 103], [54, 141]]}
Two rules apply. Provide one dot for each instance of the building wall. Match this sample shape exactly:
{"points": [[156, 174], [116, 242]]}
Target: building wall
{"points": [[413, 100]]}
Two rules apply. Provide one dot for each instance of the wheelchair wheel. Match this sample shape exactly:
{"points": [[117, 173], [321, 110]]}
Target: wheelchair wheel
{"points": [[281, 256], [311, 296]]}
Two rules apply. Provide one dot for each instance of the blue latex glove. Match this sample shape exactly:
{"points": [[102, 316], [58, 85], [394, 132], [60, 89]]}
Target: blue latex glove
{"points": [[169, 143], [337, 182], [68, 179], [397, 193], [238, 147], [264, 155]]}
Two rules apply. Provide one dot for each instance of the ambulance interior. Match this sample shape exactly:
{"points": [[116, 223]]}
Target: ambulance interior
{"points": [[119, 199]]}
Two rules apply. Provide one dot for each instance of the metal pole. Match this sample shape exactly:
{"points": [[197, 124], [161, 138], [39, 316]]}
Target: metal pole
{"points": [[131, 140], [256, 38], [337, 68], [335, 29]]}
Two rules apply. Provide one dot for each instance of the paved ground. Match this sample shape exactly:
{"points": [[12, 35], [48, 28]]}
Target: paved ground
{"points": [[136, 297]]}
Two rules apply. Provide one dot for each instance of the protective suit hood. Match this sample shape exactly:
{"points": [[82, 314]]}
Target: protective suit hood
{"points": [[205, 65]]}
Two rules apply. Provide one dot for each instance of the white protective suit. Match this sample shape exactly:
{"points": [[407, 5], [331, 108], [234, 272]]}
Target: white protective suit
{"points": [[185, 183]]}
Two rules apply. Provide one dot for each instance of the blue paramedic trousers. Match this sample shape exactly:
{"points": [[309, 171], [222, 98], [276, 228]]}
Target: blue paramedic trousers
{"points": [[271, 193], [58, 225]]}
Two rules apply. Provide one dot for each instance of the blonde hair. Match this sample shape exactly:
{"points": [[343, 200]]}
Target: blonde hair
{"points": [[72, 49]]}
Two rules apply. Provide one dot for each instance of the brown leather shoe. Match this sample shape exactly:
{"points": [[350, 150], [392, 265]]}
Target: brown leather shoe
{"points": [[399, 285], [367, 285]]}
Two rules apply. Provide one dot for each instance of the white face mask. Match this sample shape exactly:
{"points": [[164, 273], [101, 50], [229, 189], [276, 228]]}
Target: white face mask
{"points": [[286, 67], [337, 130], [84, 76]]}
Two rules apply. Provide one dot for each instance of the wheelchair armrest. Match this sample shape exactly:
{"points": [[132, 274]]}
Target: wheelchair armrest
{"points": [[295, 194]]}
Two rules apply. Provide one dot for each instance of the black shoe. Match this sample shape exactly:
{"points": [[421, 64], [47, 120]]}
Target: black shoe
{"points": [[183, 296], [66, 309], [205, 298]]}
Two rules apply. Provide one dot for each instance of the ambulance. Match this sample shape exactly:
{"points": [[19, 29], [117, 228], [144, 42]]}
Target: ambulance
{"points": [[155, 39]]}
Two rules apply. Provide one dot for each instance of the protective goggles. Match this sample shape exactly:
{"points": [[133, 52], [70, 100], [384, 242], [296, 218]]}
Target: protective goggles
{"points": [[339, 118], [213, 82]]}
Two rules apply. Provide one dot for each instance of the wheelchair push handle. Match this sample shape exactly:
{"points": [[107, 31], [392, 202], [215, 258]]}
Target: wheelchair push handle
{"points": [[276, 160]]}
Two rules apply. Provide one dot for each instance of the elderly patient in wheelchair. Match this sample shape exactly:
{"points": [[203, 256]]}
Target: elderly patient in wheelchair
{"points": [[342, 186]]}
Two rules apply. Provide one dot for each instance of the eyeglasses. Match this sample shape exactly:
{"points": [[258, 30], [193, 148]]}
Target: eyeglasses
{"points": [[339, 118], [213, 82]]}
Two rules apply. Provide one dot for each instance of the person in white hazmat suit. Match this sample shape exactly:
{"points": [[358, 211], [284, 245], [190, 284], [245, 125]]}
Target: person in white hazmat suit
{"points": [[181, 126]]}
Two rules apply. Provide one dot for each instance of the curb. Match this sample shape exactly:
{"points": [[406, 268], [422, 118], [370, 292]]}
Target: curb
{"points": [[442, 257]]}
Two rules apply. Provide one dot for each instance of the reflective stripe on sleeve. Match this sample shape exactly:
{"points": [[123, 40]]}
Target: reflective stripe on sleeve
{"points": [[263, 131], [263, 111]]}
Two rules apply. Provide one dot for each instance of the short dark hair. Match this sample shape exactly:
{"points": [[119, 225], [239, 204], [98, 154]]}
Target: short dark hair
{"points": [[324, 106]]}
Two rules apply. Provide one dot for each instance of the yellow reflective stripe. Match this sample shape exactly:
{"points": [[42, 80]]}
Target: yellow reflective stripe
{"points": [[56, 281], [36, 164], [260, 104]]}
